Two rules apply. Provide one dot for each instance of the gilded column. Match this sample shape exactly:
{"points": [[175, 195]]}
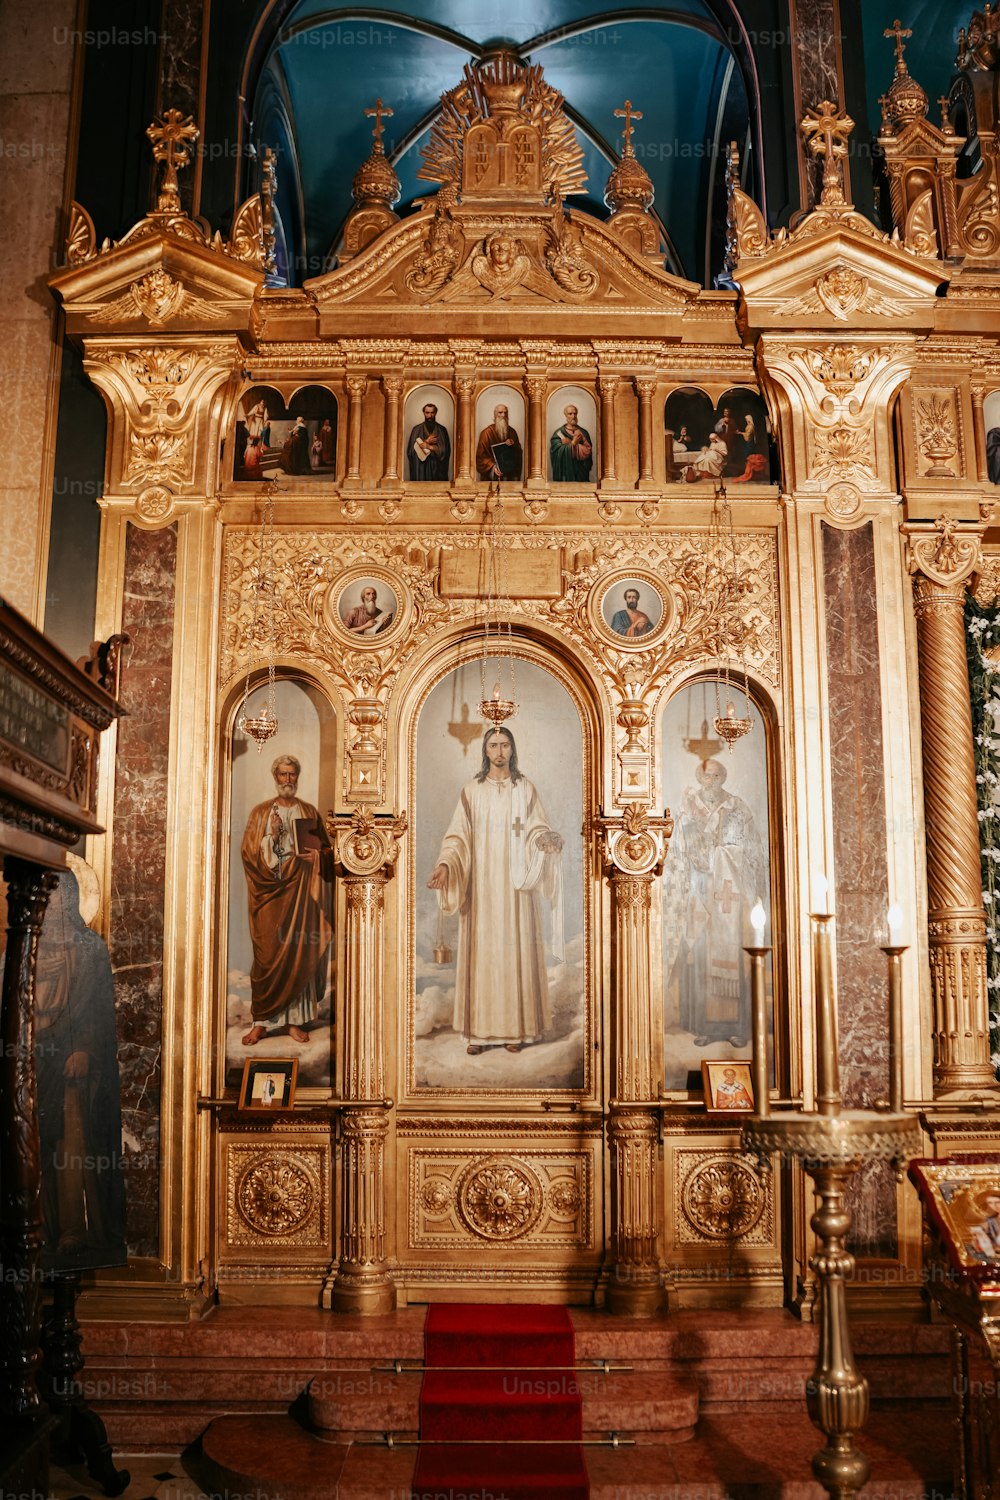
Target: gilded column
{"points": [[536, 430], [645, 388], [356, 387], [28, 890], [463, 438], [366, 854], [979, 428], [393, 387], [942, 560], [635, 846], [608, 386]]}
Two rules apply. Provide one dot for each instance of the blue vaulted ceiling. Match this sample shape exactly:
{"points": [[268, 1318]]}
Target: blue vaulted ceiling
{"points": [[684, 68]]}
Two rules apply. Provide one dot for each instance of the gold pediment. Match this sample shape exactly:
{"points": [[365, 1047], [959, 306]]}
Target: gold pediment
{"points": [[158, 282], [448, 258], [840, 274]]}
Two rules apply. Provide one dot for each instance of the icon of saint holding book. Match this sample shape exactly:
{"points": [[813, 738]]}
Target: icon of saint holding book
{"points": [[289, 906]]}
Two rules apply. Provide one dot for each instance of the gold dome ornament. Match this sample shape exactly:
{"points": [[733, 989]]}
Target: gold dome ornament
{"points": [[905, 99], [375, 181], [629, 185]]}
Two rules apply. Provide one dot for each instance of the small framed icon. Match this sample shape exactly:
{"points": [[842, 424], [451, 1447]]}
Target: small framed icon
{"points": [[728, 1086], [268, 1083]]}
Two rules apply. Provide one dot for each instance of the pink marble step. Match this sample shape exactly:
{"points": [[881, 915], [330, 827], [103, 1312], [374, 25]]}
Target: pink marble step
{"points": [[650, 1407], [762, 1454]]}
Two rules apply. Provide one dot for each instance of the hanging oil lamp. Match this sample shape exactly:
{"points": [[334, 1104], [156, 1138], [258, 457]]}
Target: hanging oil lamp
{"points": [[261, 726]]}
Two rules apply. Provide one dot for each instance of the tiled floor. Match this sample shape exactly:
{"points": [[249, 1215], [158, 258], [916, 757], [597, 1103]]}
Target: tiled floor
{"points": [[154, 1476]]}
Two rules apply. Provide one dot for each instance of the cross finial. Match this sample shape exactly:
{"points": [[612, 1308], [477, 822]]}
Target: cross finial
{"points": [[826, 133], [899, 33], [945, 117], [628, 114], [381, 112], [173, 136]]}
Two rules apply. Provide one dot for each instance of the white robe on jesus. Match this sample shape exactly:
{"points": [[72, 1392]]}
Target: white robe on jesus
{"points": [[496, 874]]}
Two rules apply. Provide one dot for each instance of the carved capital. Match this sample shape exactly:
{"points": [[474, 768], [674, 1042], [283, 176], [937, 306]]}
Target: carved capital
{"points": [[161, 397], [635, 845], [608, 385], [946, 555], [357, 385], [367, 844], [645, 387]]}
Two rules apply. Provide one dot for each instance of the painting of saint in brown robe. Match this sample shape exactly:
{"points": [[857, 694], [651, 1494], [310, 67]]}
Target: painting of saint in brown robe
{"points": [[288, 908]]}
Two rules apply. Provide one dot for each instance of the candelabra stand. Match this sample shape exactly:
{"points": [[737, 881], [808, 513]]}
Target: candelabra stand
{"points": [[830, 1144]]}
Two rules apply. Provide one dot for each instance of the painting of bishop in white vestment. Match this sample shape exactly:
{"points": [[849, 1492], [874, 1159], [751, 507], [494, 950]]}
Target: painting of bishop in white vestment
{"points": [[500, 992]]}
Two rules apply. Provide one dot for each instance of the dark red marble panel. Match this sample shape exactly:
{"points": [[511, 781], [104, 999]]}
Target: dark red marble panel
{"points": [[139, 855], [817, 23], [860, 871]]}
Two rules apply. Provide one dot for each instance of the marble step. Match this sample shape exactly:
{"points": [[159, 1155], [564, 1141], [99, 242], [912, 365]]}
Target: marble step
{"points": [[762, 1453], [649, 1406]]}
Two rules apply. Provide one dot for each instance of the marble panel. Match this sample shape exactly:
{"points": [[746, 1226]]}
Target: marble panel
{"points": [[816, 28], [139, 852], [860, 870], [180, 70]]}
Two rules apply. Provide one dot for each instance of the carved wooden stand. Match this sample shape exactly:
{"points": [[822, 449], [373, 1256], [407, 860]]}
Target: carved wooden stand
{"points": [[80, 1433]]}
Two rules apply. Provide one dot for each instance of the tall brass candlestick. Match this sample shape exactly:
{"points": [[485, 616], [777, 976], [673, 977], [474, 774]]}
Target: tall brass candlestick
{"points": [[894, 952], [758, 994], [760, 1069], [828, 1098]]}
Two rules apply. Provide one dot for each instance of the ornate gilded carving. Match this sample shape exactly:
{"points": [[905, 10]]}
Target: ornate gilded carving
{"points": [[947, 555], [501, 1199], [159, 299], [937, 435], [276, 1195], [723, 1198], [439, 254], [841, 367], [81, 237], [635, 844], [502, 104], [842, 451], [566, 259], [525, 1195]]}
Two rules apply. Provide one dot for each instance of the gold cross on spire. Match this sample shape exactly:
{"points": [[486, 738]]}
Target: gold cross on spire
{"points": [[826, 133], [173, 136], [899, 33], [628, 114], [381, 112]]}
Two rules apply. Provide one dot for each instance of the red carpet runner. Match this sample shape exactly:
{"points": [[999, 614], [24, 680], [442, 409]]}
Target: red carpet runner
{"points": [[521, 1400]]}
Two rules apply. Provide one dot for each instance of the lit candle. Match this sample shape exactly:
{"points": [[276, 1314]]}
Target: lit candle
{"points": [[893, 951], [761, 1064], [496, 692], [827, 1059]]}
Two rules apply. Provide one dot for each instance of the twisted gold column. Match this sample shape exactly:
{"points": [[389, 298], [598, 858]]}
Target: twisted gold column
{"points": [[956, 923]]}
